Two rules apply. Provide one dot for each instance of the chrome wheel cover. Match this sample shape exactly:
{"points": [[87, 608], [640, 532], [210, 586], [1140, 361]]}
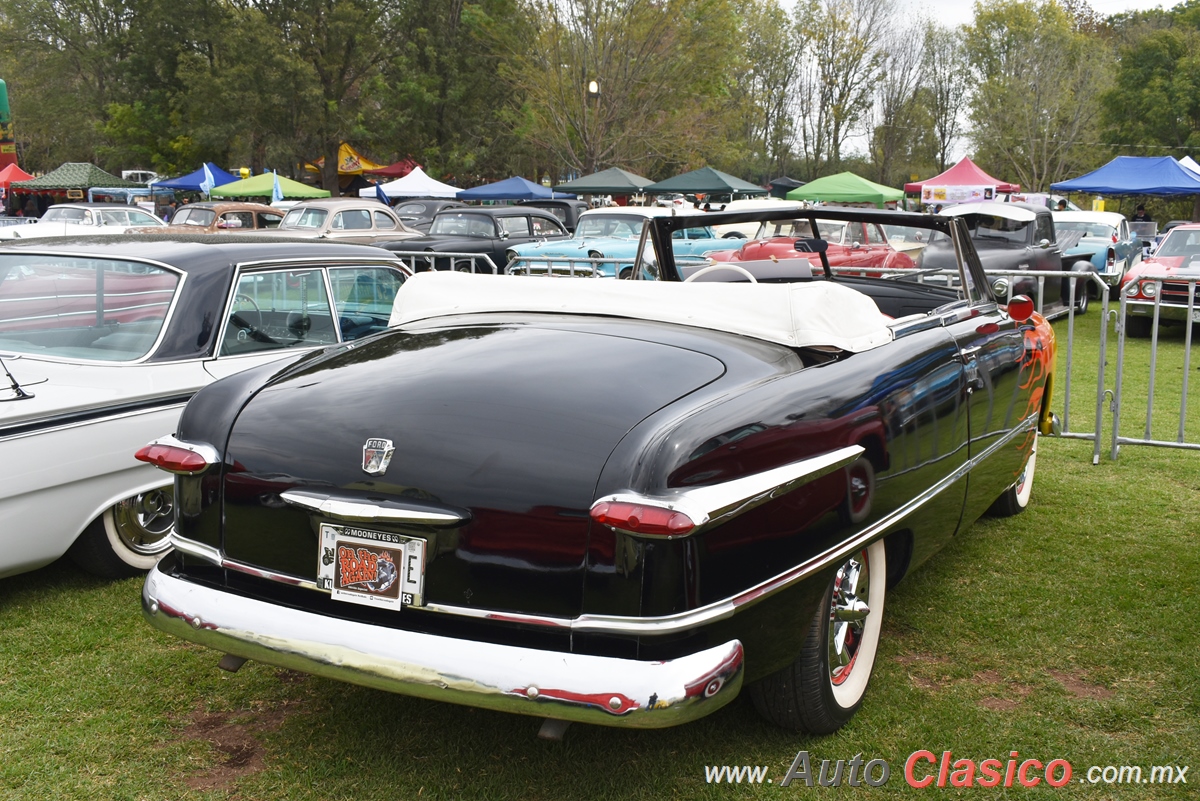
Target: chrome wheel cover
{"points": [[848, 616], [142, 523]]}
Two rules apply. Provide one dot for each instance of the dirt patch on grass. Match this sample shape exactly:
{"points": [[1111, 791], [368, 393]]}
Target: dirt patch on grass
{"points": [[999, 704], [234, 735], [1080, 688], [921, 659]]}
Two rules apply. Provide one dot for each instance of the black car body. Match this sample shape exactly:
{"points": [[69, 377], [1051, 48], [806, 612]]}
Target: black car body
{"points": [[476, 232], [418, 213], [606, 501], [567, 211], [1016, 237]]}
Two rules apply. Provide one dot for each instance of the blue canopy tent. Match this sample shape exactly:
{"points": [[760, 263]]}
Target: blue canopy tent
{"points": [[1157, 176], [193, 180], [515, 188]]}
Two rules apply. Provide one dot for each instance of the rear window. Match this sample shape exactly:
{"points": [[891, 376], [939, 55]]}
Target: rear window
{"points": [[82, 308], [305, 218]]}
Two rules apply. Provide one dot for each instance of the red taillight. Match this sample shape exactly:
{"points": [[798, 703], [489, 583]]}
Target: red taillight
{"points": [[1020, 308], [1112, 256], [172, 458], [639, 518]]}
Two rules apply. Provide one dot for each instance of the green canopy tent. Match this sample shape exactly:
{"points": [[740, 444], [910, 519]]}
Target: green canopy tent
{"points": [[706, 181], [74, 175], [263, 185], [846, 187], [613, 181]]}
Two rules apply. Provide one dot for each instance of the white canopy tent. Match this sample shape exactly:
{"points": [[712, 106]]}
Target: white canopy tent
{"points": [[415, 184], [1190, 163]]}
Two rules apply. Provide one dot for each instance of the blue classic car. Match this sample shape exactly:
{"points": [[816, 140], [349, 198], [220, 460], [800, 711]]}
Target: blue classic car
{"points": [[1103, 244], [609, 233]]}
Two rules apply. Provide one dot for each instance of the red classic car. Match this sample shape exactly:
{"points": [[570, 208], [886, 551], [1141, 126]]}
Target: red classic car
{"points": [[849, 245], [1178, 255]]}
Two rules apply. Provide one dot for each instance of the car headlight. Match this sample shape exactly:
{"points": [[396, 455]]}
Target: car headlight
{"points": [[1131, 289], [1149, 289], [595, 254]]}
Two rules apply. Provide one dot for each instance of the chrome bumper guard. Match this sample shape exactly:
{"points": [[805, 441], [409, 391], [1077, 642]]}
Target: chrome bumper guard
{"points": [[589, 689]]}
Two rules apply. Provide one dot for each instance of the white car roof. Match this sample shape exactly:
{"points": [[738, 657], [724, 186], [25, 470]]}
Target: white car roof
{"points": [[1105, 217], [818, 314], [636, 211], [1009, 211]]}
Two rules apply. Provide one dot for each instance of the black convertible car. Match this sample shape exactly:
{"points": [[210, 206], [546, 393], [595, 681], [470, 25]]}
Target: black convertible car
{"points": [[619, 502]]}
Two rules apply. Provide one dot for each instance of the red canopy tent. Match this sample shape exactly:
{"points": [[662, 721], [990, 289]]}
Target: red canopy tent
{"points": [[13, 173], [398, 170], [964, 173]]}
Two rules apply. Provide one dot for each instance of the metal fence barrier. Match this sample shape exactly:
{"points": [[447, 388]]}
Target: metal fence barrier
{"points": [[447, 260], [1178, 286]]}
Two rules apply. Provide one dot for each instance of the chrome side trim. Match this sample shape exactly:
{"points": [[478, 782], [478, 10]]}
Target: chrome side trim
{"points": [[712, 505], [665, 624], [725, 608], [549, 684], [213, 556], [28, 429], [353, 509]]}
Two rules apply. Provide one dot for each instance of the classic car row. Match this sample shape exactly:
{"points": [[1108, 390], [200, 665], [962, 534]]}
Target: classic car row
{"points": [[620, 502]]}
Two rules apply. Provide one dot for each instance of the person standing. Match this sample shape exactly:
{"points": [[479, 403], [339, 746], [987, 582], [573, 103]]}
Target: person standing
{"points": [[1140, 215]]}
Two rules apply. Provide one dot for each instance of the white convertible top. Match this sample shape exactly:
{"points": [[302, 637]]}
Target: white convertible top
{"points": [[810, 314]]}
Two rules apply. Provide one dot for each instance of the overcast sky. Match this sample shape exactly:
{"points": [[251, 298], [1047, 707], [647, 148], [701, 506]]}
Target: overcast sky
{"points": [[957, 12]]}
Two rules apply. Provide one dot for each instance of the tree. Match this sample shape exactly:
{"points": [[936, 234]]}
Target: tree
{"points": [[946, 82], [896, 109], [841, 61], [659, 67], [1039, 81]]}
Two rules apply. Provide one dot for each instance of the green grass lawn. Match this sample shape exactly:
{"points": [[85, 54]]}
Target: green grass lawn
{"points": [[1070, 631]]}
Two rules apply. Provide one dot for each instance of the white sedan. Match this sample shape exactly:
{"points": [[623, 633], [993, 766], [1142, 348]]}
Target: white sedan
{"points": [[83, 219], [101, 346]]}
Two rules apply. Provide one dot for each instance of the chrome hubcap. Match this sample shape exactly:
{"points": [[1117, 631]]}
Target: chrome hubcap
{"points": [[143, 522], [847, 616]]}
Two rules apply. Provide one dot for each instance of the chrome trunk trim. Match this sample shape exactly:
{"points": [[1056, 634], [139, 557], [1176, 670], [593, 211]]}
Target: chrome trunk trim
{"points": [[329, 505]]}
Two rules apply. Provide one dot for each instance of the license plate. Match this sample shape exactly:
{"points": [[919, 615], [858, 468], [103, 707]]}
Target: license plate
{"points": [[372, 568]]}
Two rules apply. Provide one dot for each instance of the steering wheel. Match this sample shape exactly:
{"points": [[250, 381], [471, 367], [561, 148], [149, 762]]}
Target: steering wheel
{"points": [[721, 265], [236, 317]]}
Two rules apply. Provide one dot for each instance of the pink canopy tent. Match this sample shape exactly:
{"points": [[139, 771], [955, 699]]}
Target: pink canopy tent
{"points": [[964, 173], [13, 173]]}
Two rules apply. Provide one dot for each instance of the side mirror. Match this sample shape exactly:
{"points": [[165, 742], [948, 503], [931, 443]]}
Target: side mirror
{"points": [[1045, 243], [504, 234], [1020, 308]]}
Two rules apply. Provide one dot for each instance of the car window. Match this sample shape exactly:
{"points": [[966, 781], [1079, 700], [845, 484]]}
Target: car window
{"points": [[410, 208], [276, 309], [1180, 243], [698, 233], [203, 217], [459, 224], [66, 215], [515, 226], [875, 235], [830, 231], [305, 218], [237, 219], [114, 218], [621, 226], [1044, 228], [363, 297], [383, 222], [82, 308], [351, 220], [1124, 230], [854, 233], [142, 218], [544, 227], [268, 220], [989, 227]]}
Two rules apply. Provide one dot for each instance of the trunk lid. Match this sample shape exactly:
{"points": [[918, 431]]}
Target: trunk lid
{"points": [[510, 424]]}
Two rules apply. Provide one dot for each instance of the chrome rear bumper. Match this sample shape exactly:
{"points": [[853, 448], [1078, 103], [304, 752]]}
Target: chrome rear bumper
{"points": [[590, 689]]}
